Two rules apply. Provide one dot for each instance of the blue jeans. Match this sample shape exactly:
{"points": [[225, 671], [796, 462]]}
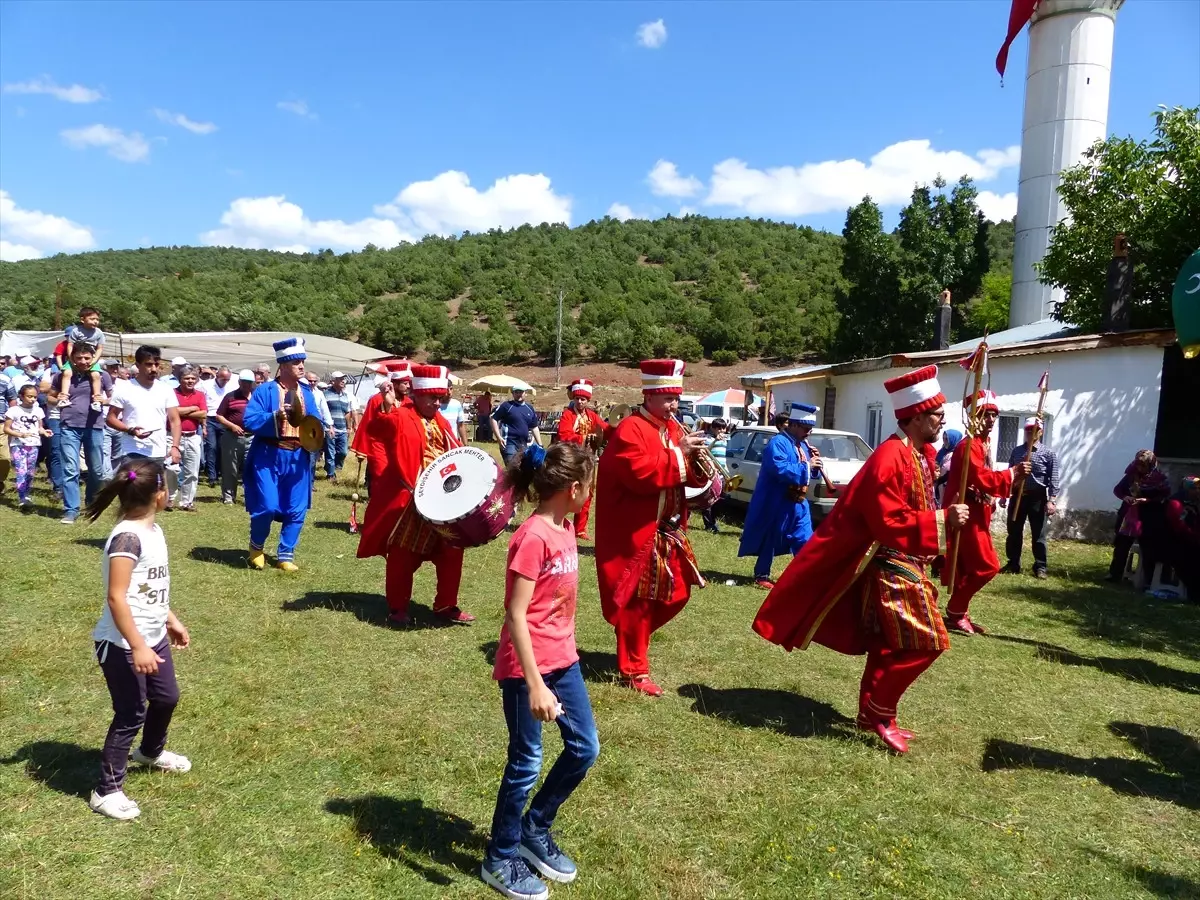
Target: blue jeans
{"points": [[337, 445], [581, 746], [70, 441], [212, 450], [52, 453], [510, 449], [111, 451]]}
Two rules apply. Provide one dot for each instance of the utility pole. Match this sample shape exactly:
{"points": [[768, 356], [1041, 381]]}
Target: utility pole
{"points": [[59, 287], [558, 347]]}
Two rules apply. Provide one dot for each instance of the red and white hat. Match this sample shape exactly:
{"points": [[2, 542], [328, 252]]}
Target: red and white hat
{"points": [[430, 379], [580, 387], [400, 370], [984, 400], [915, 392], [662, 376]]}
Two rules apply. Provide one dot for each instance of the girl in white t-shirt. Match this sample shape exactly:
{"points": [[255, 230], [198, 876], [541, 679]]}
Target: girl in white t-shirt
{"points": [[135, 634], [24, 426]]}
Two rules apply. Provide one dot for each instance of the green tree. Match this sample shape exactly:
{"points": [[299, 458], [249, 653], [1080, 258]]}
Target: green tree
{"points": [[871, 271], [988, 312], [1148, 190], [463, 341]]}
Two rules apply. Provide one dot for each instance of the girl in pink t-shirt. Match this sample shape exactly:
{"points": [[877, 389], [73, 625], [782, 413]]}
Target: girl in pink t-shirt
{"points": [[537, 665]]}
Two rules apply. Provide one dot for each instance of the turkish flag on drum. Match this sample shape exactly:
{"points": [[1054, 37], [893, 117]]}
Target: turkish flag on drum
{"points": [[1021, 12], [446, 470]]}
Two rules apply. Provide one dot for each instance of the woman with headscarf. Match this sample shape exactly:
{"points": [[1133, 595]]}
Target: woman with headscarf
{"points": [[1182, 517], [1143, 491], [950, 440]]}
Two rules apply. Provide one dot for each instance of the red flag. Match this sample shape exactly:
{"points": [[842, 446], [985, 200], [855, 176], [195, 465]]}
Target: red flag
{"points": [[1021, 12], [969, 362], [1044, 381]]}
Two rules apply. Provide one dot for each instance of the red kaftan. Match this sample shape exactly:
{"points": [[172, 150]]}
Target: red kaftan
{"points": [[575, 429]]}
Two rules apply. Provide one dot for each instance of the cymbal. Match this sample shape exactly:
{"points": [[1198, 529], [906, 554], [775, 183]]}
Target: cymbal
{"points": [[312, 434]]}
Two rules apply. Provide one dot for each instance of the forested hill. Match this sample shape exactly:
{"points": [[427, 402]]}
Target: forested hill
{"points": [[686, 287]]}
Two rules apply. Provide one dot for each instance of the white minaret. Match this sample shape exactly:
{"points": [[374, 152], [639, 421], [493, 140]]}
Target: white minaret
{"points": [[1066, 111]]}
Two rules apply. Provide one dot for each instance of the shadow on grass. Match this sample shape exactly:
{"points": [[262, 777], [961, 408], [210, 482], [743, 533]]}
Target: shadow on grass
{"points": [[776, 710], [739, 579], [1164, 884], [333, 526], [1101, 612], [96, 542], [1132, 668], [419, 836], [369, 608], [67, 768], [1173, 776], [234, 559], [597, 666]]}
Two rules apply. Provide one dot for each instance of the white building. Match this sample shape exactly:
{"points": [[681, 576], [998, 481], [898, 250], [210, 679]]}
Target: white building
{"points": [[1108, 398]]}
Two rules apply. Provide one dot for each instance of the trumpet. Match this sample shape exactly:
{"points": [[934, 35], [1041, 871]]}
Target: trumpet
{"points": [[704, 460]]}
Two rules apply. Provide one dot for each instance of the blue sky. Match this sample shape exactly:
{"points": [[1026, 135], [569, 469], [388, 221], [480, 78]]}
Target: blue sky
{"points": [[304, 125]]}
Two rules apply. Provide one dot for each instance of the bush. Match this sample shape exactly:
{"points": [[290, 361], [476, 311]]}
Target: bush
{"points": [[724, 357]]}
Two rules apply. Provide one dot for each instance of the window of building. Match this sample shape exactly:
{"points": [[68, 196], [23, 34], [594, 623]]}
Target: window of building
{"points": [[1010, 431], [874, 424]]}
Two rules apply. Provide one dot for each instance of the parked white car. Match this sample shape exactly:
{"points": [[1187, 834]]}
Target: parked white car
{"points": [[843, 452]]}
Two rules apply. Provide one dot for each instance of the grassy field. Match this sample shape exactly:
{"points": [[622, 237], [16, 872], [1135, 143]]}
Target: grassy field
{"points": [[334, 757]]}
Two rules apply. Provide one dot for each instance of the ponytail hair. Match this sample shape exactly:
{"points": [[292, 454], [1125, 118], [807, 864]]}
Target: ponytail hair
{"points": [[538, 474], [133, 487]]}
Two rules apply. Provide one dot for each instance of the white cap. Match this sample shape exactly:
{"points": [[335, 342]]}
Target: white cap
{"points": [[1032, 422], [245, 375], [336, 375], [322, 385], [179, 361], [27, 360]]}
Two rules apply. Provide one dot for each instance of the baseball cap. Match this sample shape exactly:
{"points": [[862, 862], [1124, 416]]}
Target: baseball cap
{"points": [[245, 375], [179, 361], [336, 375], [105, 363], [27, 360]]}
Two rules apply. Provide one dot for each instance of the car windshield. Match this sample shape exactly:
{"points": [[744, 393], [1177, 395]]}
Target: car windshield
{"points": [[840, 446]]}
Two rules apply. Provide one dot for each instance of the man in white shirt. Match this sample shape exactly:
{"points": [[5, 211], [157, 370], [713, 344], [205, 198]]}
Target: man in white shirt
{"points": [[321, 412], [178, 364], [146, 412], [214, 390], [453, 412]]}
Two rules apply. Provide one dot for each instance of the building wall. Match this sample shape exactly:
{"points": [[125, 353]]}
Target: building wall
{"points": [[1102, 404]]}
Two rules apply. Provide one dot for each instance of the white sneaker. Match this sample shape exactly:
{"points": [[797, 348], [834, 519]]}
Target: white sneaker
{"points": [[115, 805], [164, 762]]}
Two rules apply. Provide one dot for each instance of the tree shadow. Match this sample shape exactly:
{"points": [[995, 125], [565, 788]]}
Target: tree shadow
{"points": [[775, 710], [596, 666], [419, 836], [369, 608], [1173, 776], [1101, 612], [1144, 671], [67, 768], [96, 543], [234, 559]]}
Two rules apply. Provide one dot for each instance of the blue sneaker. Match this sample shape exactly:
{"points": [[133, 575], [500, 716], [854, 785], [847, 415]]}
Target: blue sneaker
{"points": [[543, 854], [513, 879]]}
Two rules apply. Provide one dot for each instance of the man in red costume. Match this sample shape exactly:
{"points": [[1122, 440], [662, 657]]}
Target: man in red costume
{"points": [[581, 425], [395, 381], [859, 585], [976, 563], [644, 562], [405, 440]]}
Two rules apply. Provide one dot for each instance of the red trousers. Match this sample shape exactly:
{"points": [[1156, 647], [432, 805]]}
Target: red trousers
{"points": [[634, 624], [887, 676], [581, 517], [977, 564], [403, 563]]}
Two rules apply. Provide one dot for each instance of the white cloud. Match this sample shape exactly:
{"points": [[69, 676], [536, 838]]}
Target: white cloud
{"points": [[622, 212], [75, 93], [889, 178], [665, 181], [271, 223], [183, 121], [652, 35], [28, 233], [997, 207], [297, 107], [125, 147], [447, 204]]}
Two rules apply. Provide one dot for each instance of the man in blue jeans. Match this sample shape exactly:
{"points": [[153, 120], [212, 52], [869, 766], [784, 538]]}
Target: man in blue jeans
{"points": [[521, 421], [80, 427], [343, 411]]}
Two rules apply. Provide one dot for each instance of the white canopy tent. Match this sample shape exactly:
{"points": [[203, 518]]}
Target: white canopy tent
{"points": [[236, 349]]}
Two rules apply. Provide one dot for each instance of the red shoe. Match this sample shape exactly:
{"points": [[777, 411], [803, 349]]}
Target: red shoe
{"points": [[454, 616], [963, 624], [864, 724], [891, 736], [643, 684], [399, 620], [764, 584], [583, 536]]}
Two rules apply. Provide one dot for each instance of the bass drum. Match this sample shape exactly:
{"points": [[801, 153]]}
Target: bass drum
{"points": [[463, 495], [706, 497]]}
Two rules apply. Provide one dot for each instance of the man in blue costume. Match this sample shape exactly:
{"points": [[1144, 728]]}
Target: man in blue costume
{"points": [[778, 520], [277, 478]]}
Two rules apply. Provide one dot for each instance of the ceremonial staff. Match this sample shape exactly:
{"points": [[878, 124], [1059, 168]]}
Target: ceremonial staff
{"points": [[1044, 384], [977, 363]]}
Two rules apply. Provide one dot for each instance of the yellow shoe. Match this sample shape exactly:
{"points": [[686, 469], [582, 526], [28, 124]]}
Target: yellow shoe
{"points": [[287, 565], [256, 559]]}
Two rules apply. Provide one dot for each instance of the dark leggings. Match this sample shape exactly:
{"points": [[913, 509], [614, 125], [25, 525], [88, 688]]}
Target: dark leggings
{"points": [[131, 694]]}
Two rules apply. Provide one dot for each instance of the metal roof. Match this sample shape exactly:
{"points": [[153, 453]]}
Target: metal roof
{"points": [[1046, 329]]}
